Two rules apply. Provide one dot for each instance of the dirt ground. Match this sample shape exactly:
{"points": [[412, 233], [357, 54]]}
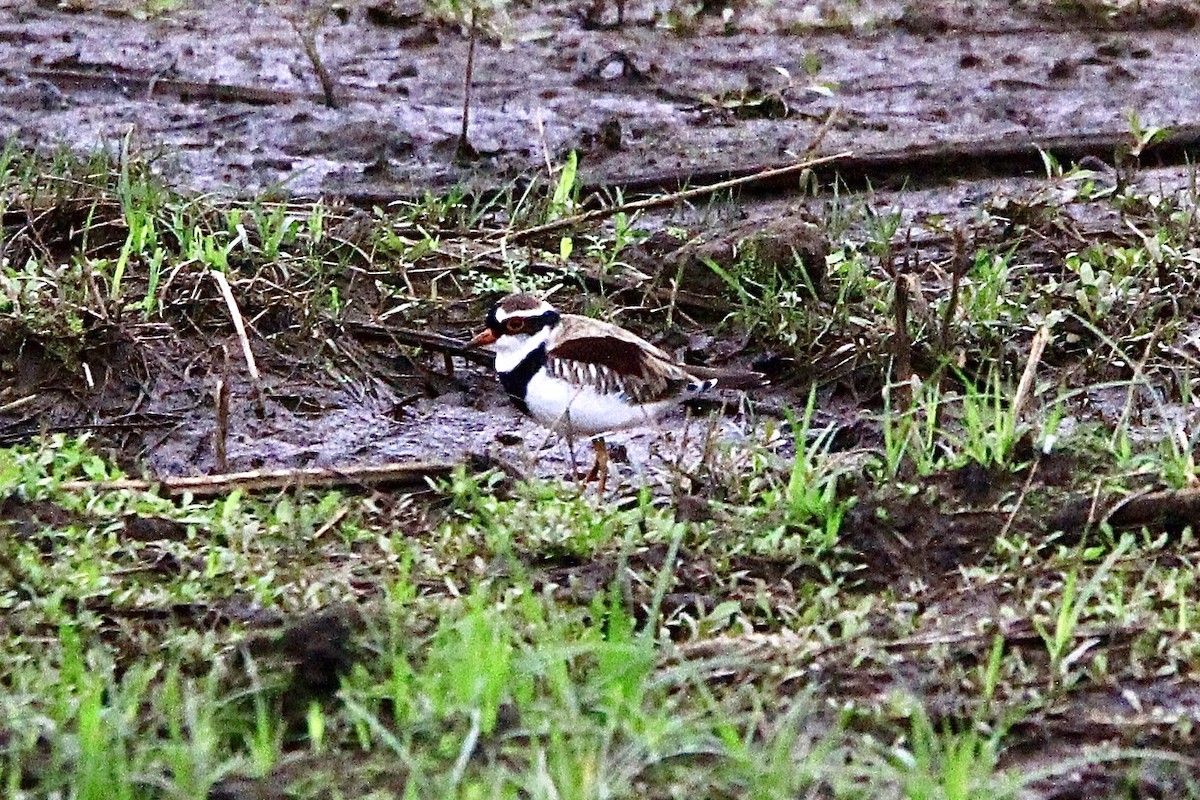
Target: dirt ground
{"points": [[236, 108], [224, 93], [223, 99]]}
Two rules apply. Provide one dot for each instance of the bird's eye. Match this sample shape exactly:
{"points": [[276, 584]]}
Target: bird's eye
{"points": [[515, 325]]}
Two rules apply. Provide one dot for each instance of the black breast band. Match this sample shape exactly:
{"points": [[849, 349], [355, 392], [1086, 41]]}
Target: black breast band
{"points": [[516, 380]]}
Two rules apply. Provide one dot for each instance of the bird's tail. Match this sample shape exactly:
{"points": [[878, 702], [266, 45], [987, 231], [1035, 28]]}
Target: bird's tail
{"points": [[728, 378]]}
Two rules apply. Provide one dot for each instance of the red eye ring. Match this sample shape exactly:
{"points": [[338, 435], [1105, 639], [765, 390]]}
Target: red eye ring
{"points": [[515, 325]]}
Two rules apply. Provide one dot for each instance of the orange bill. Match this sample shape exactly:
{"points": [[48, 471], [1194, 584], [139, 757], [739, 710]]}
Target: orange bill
{"points": [[483, 338]]}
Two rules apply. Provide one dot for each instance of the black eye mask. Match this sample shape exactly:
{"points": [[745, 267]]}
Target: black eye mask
{"points": [[546, 319]]}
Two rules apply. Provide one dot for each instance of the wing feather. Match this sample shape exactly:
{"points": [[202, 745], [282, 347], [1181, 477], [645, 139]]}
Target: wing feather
{"points": [[587, 351], [616, 365]]}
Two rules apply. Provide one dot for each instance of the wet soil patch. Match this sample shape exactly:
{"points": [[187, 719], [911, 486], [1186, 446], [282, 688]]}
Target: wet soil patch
{"points": [[29, 518], [152, 403], [909, 538], [241, 109]]}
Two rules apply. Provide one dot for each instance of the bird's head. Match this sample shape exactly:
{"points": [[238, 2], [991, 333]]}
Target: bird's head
{"points": [[516, 326]]}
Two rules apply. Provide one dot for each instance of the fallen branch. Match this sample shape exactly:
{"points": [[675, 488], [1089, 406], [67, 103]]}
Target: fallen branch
{"points": [[1170, 509], [935, 164], [673, 197], [424, 339], [149, 86], [910, 166], [377, 477]]}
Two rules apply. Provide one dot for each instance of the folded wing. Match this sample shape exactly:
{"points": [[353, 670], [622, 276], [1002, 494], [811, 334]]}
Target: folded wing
{"points": [[615, 365]]}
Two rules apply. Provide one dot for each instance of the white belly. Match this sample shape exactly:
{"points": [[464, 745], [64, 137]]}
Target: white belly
{"points": [[559, 405]]}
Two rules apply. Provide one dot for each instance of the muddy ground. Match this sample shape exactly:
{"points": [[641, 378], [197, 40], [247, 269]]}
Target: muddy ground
{"points": [[224, 93], [223, 99], [149, 388]]}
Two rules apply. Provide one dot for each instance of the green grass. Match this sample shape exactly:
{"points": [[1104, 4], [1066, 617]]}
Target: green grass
{"points": [[854, 605]]}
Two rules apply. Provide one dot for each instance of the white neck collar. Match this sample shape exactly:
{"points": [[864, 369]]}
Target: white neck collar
{"points": [[511, 350]]}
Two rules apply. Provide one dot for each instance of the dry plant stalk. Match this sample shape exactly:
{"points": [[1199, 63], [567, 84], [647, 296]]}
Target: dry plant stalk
{"points": [[959, 267], [308, 39], [407, 474], [1036, 348], [306, 18], [221, 433], [902, 344], [239, 325], [672, 198], [465, 151], [424, 339]]}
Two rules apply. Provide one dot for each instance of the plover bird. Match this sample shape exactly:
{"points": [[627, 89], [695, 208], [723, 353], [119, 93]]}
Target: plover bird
{"points": [[580, 376]]}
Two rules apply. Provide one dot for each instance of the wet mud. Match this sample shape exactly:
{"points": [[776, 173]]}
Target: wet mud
{"points": [[238, 108]]}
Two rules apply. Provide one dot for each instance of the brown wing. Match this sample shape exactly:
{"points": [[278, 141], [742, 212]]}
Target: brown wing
{"points": [[615, 365]]}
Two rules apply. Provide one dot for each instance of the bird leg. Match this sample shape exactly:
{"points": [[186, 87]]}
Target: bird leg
{"points": [[599, 468]]}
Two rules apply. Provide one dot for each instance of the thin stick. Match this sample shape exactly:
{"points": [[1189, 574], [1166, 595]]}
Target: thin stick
{"points": [[1020, 501], [830, 120], [426, 339], [221, 432], [541, 132], [239, 325], [332, 522], [13, 405], [308, 40], [901, 342], [671, 199], [1036, 348], [951, 310], [959, 266], [409, 474], [464, 146]]}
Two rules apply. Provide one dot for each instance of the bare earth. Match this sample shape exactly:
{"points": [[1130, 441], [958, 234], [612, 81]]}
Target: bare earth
{"points": [[641, 100]]}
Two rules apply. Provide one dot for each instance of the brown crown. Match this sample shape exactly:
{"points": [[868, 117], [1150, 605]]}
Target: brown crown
{"points": [[520, 302]]}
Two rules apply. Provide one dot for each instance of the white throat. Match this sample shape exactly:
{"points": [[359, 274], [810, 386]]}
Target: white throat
{"points": [[511, 349]]}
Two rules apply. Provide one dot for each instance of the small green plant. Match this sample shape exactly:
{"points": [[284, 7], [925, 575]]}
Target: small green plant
{"points": [[770, 304], [987, 300], [1141, 135], [605, 251], [950, 765], [911, 437], [990, 429], [1061, 639], [799, 510], [564, 199]]}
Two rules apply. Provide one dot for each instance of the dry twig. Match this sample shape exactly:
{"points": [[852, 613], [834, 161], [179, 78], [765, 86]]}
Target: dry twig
{"points": [[239, 325], [670, 199], [424, 339], [465, 151], [409, 474], [1036, 348]]}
